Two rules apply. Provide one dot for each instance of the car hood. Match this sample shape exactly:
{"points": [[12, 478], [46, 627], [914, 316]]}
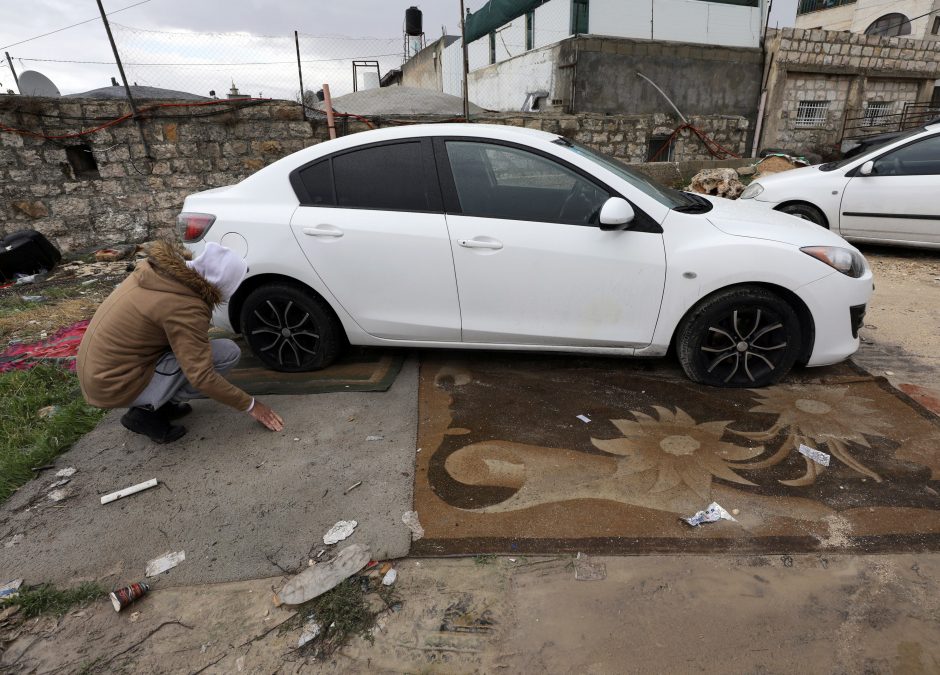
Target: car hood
{"points": [[743, 219], [792, 175]]}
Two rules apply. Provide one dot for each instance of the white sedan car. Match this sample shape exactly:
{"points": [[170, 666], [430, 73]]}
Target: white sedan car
{"points": [[887, 195], [495, 237]]}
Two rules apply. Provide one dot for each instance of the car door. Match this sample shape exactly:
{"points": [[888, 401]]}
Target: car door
{"points": [[371, 224], [899, 199], [533, 266]]}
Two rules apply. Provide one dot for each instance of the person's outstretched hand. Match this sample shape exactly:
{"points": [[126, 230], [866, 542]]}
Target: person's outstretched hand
{"points": [[266, 416]]}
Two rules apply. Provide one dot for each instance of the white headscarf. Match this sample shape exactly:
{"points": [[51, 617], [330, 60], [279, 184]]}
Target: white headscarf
{"points": [[221, 267]]}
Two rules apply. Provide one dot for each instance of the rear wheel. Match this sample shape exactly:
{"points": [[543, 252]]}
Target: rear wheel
{"points": [[806, 212], [740, 337], [289, 330]]}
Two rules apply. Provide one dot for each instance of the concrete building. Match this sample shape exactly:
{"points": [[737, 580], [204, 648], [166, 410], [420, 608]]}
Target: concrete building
{"points": [[916, 19]]}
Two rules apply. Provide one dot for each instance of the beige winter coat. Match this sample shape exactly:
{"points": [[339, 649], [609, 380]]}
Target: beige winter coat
{"points": [[163, 305]]}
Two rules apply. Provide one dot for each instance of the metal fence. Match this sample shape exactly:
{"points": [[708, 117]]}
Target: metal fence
{"points": [[872, 121]]}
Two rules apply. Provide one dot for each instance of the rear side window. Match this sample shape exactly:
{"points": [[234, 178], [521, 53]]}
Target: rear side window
{"points": [[382, 177], [318, 183]]}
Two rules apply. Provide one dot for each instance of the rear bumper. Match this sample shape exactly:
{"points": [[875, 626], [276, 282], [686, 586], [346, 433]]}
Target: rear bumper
{"points": [[837, 303]]}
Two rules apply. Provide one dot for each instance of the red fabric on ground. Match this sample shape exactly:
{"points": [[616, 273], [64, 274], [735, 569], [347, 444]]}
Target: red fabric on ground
{"points": [[60, 348]]}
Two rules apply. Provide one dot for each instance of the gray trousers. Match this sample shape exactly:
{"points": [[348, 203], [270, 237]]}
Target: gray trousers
{"points": [[170, 384]]}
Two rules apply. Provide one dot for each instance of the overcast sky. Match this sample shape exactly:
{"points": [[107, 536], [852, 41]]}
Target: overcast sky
{"points": [[263, 49]]}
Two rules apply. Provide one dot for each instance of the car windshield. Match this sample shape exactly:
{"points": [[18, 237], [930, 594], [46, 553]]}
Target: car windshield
{"points": [[665, 196], [832, 166]]}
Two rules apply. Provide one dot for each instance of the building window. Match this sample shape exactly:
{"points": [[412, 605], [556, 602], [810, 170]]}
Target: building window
{"points": [[807, 6], [660, 149], [811, 114], [82, 161], [492, 48], [579, 17], [877, 112], [936, 26], [890, 25], [530, 30]]}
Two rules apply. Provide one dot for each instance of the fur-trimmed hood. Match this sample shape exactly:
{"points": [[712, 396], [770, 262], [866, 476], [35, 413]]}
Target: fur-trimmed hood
{"points": [[168, 259]]}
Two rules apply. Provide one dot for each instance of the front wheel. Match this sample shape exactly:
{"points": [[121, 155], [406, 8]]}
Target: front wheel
{"points": [[289, 330], [740, 337], [806, 212]]}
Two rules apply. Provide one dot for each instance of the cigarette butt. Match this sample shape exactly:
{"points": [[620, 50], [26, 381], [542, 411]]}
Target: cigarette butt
{"points": [[352, 487]]}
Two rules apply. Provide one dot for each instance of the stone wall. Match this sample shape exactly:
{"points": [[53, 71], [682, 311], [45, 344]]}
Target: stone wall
{"points": [[52, 186], [845, 71]]}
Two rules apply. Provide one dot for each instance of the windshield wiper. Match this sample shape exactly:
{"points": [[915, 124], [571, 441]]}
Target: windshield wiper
{"points": [[697, 204]]}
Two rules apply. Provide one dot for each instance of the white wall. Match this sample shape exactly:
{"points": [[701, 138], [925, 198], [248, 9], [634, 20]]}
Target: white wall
{"points": [[859, 16], [628, 18], [452, 69], [552, 22], [504, 86]]}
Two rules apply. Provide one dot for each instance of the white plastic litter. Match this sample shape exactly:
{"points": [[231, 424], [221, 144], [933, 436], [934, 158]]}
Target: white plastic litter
{"points": [[165, 562], [583, 418], [374, 438], [340, 531], [390, 577], [114, 496], [10, 589], [320, 578], [410, 518], [816, 455], [58, 495], [66, 472], [713, 513]]}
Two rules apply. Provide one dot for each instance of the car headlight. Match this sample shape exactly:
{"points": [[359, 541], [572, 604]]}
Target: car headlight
{"points": [[849, 262], [752, 191]]}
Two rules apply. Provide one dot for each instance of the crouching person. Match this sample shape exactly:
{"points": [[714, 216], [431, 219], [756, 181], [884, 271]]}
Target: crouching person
{"points": [[148, 348]]}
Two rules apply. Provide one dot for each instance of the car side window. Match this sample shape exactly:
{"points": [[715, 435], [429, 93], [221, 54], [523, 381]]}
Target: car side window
{"points": [[921, 158], [387, 177], [317, 180], [497, 181]]}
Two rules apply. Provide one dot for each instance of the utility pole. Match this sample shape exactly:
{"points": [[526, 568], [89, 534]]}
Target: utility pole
{"points": [[300, 74], [466, 67], [13, 70], [127, 88]]}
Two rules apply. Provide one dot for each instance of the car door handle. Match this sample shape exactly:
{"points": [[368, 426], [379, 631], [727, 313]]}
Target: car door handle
{"points": [[323, 231], [481, 243]]}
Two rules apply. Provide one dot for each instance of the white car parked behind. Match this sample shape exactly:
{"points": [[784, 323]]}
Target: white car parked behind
{"points": [[495, 237], [887, 195]]}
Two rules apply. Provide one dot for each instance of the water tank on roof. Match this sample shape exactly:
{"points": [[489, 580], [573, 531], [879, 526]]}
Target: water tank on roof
{"points": [[413, 21]]}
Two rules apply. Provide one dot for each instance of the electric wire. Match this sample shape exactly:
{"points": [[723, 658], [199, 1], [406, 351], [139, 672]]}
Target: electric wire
{"points": [[80, 23]]}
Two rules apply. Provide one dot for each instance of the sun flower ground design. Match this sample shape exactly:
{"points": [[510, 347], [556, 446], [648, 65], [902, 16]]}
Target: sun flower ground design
{"points": [[678, 451], [822, 416]]}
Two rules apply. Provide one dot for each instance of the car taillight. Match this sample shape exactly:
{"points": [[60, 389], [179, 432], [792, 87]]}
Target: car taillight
{"points": [[193, 226]]}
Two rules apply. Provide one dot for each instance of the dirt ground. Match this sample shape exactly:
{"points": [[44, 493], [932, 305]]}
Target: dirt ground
{"points": [[708, 613]]}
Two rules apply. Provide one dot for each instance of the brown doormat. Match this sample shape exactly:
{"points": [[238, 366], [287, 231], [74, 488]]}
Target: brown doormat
{"points": [[358, 369], [506, 466]]}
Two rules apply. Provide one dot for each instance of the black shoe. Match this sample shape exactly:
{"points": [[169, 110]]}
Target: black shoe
{"points": [[173, 411], [152, 425]]}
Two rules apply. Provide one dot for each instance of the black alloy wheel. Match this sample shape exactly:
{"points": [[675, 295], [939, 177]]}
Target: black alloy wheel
{"points": [[741, 337], [289, 330]]}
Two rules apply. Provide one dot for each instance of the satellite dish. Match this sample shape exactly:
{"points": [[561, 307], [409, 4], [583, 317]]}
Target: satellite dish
{"points": [[34, 83]]}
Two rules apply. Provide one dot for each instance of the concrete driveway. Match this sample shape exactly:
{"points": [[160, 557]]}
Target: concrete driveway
{"points": [[242, 502]]}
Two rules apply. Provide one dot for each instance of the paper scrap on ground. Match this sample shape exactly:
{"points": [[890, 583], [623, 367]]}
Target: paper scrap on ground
{"points": [[410, 518], [713, 513], [311, 630], [58, 495], [165, 562], [10, 589], [66, 472], [389, 577], [583, 418], [816, 455], [340, 531], [322, 577], [374, 438]]}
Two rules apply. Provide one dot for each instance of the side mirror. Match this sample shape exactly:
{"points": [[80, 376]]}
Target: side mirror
{"points": [[616, 214], [867, 169]]}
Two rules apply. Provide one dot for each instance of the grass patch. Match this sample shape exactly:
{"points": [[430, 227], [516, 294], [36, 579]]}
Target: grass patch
{"points": [[485, 558], [346, 612], [47, 599], [28, 440]]}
